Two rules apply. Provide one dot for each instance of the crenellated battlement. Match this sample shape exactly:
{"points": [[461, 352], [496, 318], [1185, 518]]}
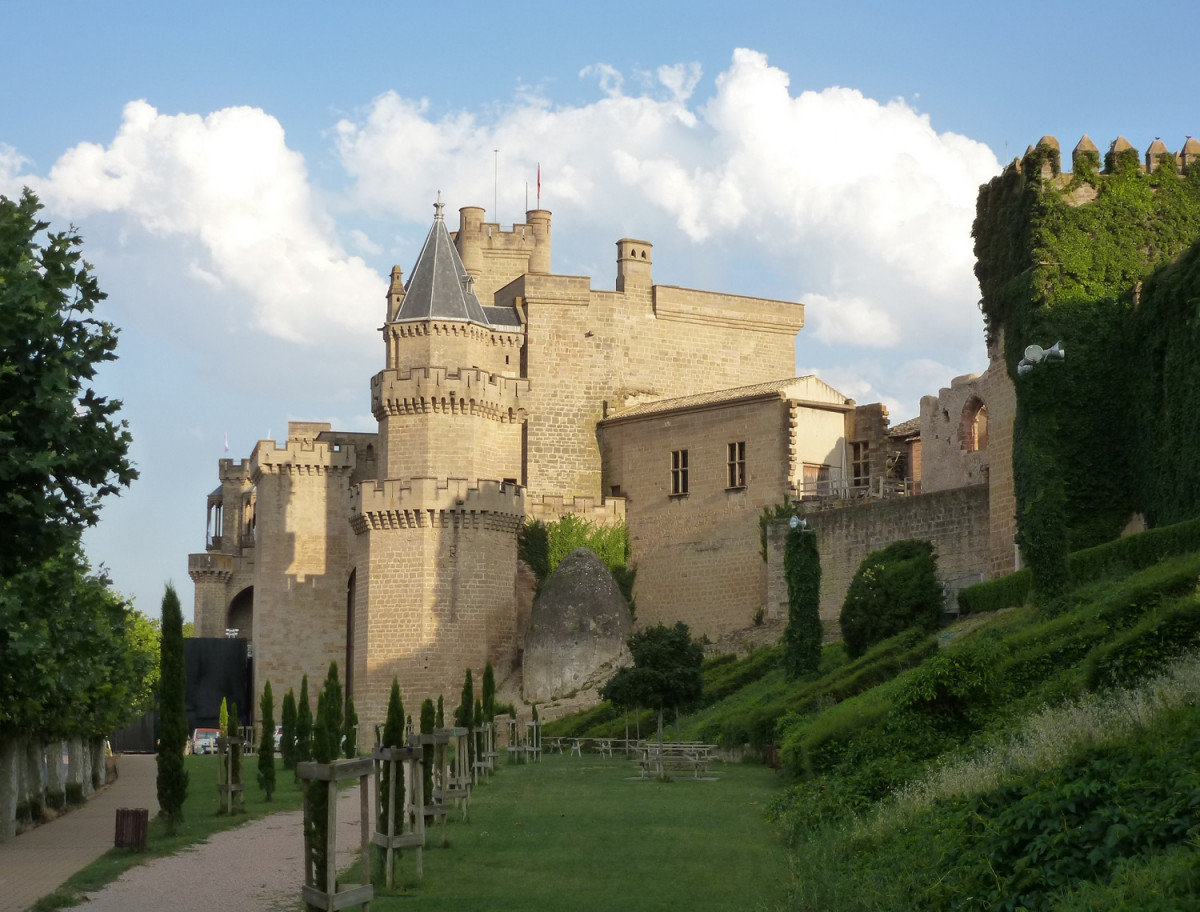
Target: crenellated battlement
{"points": [[437, 503], [1046, 156], [551, 507], [304, 455], [467, 391]]}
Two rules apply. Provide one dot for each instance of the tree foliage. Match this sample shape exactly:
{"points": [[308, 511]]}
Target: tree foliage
{"points": [[62, 447], [266, 744], [543, 548], [803, 635], [893, 589], [351, 745], [172, 708], [665, 673]]}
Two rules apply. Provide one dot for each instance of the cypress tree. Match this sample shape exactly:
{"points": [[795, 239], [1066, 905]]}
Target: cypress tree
{"points": [[335, 712], [266, 745], [287, 736], [464, 716], [393, 736], [304, 724], [172, 777], [233, 738], [803, 635], [441, 712]]}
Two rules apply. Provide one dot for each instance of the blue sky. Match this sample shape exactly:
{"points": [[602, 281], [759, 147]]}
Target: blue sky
{"points": [[245, 175]]}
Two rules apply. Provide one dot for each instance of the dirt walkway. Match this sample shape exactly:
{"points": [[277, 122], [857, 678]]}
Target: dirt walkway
{"points": [[258, 866], [39, 861]]}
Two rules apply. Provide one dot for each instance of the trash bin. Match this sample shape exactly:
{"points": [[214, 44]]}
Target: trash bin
{"points": [[131, 828]]}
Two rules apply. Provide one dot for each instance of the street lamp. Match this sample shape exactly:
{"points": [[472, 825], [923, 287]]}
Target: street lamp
{"points": [[1035, 354]]}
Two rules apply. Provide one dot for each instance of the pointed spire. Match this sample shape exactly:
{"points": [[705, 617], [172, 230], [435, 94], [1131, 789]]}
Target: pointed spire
{"points": [[439, 287]]}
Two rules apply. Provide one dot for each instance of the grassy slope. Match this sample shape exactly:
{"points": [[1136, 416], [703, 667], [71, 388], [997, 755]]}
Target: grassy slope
{"points": [[994, 711]]}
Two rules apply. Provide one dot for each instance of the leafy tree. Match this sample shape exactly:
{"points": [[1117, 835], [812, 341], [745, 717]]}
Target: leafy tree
{"points": [[62, 447], [393, 736], [893, 589], [665, 672], [802, 638], [351, 730], [172, 777], [287, 734], [266, 744], [145, 648], [304, 724]]}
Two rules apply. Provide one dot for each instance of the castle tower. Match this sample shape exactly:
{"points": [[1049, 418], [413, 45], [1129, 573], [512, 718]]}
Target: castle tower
{"points": [[436, 530]]}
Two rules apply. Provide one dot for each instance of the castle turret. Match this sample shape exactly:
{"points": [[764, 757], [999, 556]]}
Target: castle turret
{"points": [[633, 264], [1189, 154], [1085, 149], [539, 259], [1155, 153]]}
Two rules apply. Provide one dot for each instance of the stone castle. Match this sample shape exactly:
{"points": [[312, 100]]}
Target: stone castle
{"points": [[510, 393]]}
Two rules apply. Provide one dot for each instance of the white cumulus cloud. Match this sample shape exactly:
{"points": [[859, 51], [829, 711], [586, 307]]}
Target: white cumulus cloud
{"points": [[228, 188], [855, 205]]}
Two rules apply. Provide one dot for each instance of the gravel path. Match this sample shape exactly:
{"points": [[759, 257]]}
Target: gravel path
{"points": [[254, 867]]}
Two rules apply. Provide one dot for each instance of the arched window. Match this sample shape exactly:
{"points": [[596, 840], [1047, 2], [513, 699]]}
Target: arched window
{"points": [[973, 428]]}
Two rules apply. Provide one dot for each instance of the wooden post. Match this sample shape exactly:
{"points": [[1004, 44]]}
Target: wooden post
{"points": [[332, 898]]}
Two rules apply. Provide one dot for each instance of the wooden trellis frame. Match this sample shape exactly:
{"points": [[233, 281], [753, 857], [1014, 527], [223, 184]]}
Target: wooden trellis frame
{"points": [[409, 760], [437, 806], [362, 894], [231, 792]]}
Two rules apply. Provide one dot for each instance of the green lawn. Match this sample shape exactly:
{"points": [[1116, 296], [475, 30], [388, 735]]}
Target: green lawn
{"points": [[581, 834]]}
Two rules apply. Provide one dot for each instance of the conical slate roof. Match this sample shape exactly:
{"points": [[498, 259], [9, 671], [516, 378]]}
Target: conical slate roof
{"points": [[440, 287]]}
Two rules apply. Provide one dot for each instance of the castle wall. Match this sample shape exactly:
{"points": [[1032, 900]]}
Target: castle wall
{"points": [[436, 590], [1002, 414], [697, 555], [302, 560], [587, 348], [451, 344], [956, 521], [444, 423]]}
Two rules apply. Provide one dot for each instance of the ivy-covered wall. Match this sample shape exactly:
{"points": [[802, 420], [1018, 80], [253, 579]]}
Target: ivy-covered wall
{"points": [[1086, 258]]}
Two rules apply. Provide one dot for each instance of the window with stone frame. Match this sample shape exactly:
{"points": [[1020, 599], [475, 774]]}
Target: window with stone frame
{"points": [[679, 472], [737, 464]]}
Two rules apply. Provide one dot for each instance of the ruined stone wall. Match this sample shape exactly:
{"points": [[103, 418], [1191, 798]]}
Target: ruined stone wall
{"points": [[956, 521], [697, 555], [955, 450]]}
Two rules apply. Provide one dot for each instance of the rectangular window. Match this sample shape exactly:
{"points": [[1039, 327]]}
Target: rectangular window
{"points": [[679, 471], [816, 480], [737, 465], [860, 463]]}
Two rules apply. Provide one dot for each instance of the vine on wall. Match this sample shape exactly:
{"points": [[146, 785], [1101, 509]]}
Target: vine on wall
{"points": [[1063, 257]]}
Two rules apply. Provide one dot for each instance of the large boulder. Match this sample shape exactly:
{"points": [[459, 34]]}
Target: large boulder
{"points": [[579, 623]]}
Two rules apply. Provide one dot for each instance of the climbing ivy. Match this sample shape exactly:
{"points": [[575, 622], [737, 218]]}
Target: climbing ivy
{"points": [[1064, 258]]}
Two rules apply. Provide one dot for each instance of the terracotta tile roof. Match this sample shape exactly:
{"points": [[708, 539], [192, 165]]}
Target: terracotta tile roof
{"points": [[791, 387]]}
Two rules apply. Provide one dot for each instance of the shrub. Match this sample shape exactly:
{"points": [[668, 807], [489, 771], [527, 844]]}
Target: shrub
{"points": [[996, 595], [893, 589], [1161, 635]]}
